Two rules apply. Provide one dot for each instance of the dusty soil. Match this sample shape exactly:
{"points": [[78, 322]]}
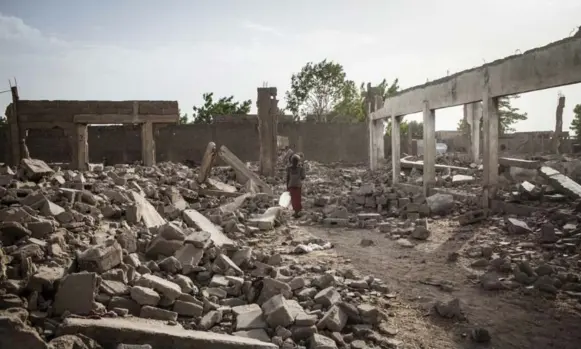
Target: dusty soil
{"points": [[514, 319]]}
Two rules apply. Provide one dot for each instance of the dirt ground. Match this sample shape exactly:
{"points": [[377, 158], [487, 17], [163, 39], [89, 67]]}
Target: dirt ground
{"points": [[513, 318]]}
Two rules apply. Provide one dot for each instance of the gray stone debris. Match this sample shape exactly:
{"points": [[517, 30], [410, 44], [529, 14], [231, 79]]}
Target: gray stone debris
{"points": [[133, 245]]}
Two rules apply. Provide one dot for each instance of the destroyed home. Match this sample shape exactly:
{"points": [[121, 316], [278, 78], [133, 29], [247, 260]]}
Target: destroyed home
{"points": [[173, 243]]}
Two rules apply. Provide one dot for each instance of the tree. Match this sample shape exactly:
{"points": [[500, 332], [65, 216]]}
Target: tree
{"points": [[316, 90], [509, 115], [463, 126], [183, 119], [576, 123], [416, 128], [353, 104], [224, 106]]}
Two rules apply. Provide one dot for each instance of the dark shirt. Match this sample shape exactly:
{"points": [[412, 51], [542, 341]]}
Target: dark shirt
{"points": [[295, 176]]}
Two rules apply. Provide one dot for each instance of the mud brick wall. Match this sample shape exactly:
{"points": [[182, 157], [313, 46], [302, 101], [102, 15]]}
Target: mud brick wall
{"points": [[122, 144], [64, 111]]}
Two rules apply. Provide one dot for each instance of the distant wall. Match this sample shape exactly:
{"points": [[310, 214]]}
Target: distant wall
{"points": [[122, 144], [64, 111], [518, 143]]}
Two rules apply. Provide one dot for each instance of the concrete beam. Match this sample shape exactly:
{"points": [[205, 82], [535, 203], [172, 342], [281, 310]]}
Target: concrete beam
{"points": [[521, 163], [103, 119], [553, 65]]}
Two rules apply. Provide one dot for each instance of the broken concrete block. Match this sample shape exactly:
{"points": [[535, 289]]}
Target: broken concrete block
{"points": [[249, 317], [162, 247], [11, 232], [111, 331], [14, 333], [557, 180], [225, 263], [113, 288], [210, 319], [169, 289], [44, 279], [195, 219], [334, 319], [267, 220], [259, 334], [189, 257], [35, 169], [170, 231], [440, 204], [517, 227], [145, 295], [149, 215], [272, 287], [200, 239], [101, 258], [149, 312], [125, 303], [277, 313], [76, 294], [318, 341], [188, 309], [328, 297], [40, 229]]}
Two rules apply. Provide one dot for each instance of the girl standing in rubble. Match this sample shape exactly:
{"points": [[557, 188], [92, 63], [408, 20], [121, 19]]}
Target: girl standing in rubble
{"points": [[295, 174]]}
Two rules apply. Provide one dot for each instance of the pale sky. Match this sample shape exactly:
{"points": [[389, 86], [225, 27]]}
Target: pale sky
{"points": [[179, 49]]}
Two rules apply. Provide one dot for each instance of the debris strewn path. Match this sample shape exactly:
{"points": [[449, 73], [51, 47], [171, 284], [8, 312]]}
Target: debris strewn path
{"points": [[423, 275]]}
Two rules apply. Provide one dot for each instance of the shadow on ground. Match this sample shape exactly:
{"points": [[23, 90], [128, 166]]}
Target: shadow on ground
{"points": [[513, 319]]}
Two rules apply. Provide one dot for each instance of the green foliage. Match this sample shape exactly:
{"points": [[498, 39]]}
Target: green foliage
{"points": [[576, 123], [509, 115], [463, 126], [316, 90], [415, 127], [183, 119], [224, 106], [353, 102], [321, 91], [350, 107]]}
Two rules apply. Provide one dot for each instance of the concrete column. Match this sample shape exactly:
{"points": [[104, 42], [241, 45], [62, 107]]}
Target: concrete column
{"points": [[376, 143], [395, 148], [429, 148], [379, 129], [14, 143], [147, 144], [371, 138], [490, 152], [375, 129], [267, 105], [556, 141], [80, 144], [473, 114]]}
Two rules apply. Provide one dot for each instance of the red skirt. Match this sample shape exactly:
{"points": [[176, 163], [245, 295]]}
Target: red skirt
{"points": [[296, 198]]}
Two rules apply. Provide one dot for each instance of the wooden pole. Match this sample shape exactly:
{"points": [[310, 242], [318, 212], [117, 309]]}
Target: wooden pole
{"points": [[22, 133]]}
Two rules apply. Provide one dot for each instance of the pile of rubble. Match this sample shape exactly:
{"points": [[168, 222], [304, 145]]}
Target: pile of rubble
{"points": [[166, 257], [534, 238]]}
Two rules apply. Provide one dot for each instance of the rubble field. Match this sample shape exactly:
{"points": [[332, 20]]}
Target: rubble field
{"points": [[170, 256]]}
